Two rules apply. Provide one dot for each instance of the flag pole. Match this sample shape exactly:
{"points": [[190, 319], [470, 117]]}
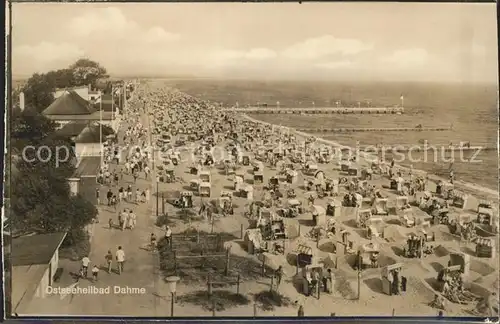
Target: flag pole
{"points": [[100, 131], [120, 101], [113, 117]]}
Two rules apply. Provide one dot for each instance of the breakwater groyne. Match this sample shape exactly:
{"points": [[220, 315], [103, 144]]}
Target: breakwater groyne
{"points": [[423, 148], [317, 111], [369, 156]]}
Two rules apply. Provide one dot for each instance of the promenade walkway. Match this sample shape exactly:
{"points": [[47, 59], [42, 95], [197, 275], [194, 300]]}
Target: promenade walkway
{"points": [[141, 269]]}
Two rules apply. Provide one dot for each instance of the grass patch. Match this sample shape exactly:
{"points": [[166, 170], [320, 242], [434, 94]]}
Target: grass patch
{"points": [[220, 299], [163, 220], [198, 269], [269, 300]]}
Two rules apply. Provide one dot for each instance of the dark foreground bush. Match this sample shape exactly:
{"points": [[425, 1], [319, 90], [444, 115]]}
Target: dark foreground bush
{"points": [[221, 299], [75, 246], [163, 220], [269, 300]]}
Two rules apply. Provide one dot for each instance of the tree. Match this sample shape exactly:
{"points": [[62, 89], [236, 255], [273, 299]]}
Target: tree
{"points": [[61, 79], [29, 128], [39, 89], [86, 71], [38, 92], [40, 196], [41, 203]]}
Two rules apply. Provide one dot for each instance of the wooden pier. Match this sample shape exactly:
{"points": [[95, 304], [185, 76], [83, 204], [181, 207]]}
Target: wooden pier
{"points": [[318, 111], [390, 129]]}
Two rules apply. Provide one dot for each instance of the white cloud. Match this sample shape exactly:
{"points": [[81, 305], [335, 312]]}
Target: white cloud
{"points": [[111, 23], [49, 52], [315, 48], [101, 21], [408, 57], [335, 65], [234, 57], [44, 57], [159, 35], [260, 54]]}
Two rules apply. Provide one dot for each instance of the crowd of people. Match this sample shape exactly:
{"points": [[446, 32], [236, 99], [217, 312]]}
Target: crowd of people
{"points": [[210, 126]]}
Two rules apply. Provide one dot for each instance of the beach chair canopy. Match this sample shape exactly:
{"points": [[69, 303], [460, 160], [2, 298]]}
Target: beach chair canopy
{"points": [[318, 210], [304, 249]]}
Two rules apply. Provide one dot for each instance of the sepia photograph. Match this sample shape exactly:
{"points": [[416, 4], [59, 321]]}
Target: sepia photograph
{"points": [[179, 160]]}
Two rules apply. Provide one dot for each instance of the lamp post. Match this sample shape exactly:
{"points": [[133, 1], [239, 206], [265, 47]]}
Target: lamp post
{"points": [[101, 145], [157, 195], [359, 283], [172, 286]]}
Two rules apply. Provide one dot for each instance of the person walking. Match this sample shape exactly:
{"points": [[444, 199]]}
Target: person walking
{"points": [[327, 281], [168, 235], [279, 275], [121, 196], [85, 266], [109, 195], [129, 193], [95, 272], [153, 242], [98, 196], [137, 196], [132, 219], [148, 193], [300, 312], [109, 260], [120, 259], [125, 220]]}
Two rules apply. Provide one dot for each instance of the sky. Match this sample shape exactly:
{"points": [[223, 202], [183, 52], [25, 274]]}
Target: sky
{"points": [[454, 42]]}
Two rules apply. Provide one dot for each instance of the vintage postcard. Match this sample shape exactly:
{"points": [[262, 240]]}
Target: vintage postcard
{"points": [[252, 160]]}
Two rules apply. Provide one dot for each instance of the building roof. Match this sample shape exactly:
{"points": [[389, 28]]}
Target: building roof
{"points": [[92, 133], [69, 103], [73, 129], [25, 281], [106, 115], [88, 167], [73, 88], [35, 249]]}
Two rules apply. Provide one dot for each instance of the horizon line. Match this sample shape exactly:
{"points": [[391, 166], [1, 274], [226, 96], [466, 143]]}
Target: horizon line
{"points": [[21, 77]]}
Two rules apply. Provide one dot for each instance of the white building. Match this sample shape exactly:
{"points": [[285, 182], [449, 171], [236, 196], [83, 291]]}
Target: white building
{"points": [[35, 264], [82, 91], [70, 106]]}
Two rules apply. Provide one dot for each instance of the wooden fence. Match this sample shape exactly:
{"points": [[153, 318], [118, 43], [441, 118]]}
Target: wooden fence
{"points": [[226, 255], [211, 283]]}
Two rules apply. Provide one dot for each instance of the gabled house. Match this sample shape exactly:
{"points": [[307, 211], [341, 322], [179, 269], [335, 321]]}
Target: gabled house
{"points": [[82, 91], [86, 136], [71, 107], [84, 180]]}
